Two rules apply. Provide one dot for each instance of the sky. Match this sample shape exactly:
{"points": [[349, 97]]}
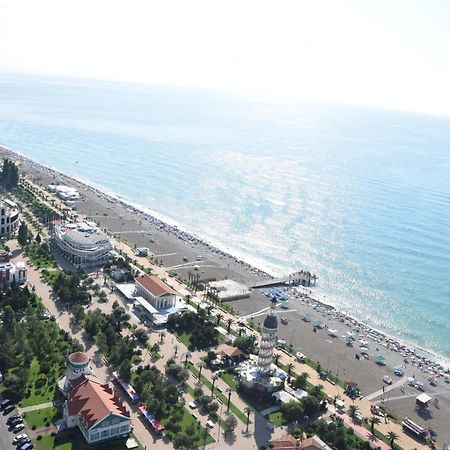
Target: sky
{"points": [[391, 54]]}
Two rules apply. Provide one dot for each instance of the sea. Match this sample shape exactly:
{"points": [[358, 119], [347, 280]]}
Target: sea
{"points": [[360, 197]]}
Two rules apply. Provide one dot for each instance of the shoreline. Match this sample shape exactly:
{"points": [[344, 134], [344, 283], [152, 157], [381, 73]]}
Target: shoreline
{"points": [[172, 227]]}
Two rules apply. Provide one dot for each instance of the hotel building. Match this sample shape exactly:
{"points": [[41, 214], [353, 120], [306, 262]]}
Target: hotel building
{"points": [[82, 243]]}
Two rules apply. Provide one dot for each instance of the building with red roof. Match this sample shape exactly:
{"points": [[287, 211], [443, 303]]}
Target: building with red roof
{"points": [[95, 409], [155, 291]]}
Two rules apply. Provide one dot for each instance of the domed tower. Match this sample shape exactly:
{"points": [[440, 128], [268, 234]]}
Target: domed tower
{"points": [[78, 365], [268, 340]]}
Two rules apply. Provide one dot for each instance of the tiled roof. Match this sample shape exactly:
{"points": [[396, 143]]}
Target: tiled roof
{"points": [[155, 286], [232, 352], [78, 358], [314, 442], [287, 442], [94, 401]]}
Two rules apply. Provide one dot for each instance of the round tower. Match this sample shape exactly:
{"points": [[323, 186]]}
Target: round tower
{"points": [[78, 365], [268, 339]]}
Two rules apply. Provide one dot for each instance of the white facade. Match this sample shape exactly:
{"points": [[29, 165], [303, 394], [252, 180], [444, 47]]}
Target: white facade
{"points": [[156, 292], [83, 244], [268, 341], [9, 217], [11, 272], [97, 412]]}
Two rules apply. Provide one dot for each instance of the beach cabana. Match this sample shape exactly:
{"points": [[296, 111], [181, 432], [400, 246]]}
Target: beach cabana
{"points": [[379, 359], [423, 400]]}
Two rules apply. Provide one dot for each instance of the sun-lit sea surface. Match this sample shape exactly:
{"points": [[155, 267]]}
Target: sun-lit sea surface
{"points": [[360, 197]]}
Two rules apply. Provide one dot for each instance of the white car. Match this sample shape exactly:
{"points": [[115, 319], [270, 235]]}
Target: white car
{"points": [[300, 357], [18, 427], [19, 437], [387, 379]]}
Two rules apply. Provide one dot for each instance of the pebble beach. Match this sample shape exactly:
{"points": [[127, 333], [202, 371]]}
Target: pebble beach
{"points": [[182, 252]]}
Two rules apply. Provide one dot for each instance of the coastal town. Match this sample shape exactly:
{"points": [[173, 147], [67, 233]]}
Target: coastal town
{"points": [[121, 331]]}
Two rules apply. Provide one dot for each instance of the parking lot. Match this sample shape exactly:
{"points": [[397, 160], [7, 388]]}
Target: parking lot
{"points": [[6, 434]]}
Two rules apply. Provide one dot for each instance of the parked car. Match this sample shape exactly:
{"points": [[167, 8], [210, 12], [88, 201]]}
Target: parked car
{"points": [[8, 410], [12, 418], [19, 437], [18, 427], [15, 421], [387, 379], [5, 403], [22, 443]]}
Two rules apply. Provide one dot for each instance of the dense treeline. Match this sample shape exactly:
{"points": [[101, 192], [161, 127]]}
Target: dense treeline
{"points": [[201, 330], [106, 331], [25, 335], [69, 289], [9, 174]]}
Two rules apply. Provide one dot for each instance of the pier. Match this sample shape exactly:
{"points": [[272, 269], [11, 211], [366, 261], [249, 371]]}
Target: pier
{"points": [[302, 278]]}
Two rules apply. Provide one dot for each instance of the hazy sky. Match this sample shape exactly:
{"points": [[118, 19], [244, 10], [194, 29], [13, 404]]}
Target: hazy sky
{"points": [[393, 54]]}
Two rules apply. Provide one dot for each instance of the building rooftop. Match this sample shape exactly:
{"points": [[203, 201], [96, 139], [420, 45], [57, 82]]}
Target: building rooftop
{"points": [[155, 286], [94, 401], [78, 358]]}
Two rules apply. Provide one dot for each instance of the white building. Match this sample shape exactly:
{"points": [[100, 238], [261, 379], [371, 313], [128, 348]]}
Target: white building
{"points": [[156, 292], [268, 340], [9, 217], [82, 243], [97, 411], [64, 192], [11, 272]]}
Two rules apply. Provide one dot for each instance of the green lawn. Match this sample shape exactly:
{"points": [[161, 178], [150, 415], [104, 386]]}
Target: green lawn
{"points": [[187, 421], [35, 394], [73, 440], [277, 419], [230, 380], [41, 417], [235, 410]]}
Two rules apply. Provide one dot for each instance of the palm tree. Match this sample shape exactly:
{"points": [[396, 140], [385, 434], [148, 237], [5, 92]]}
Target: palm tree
{"points": [[276, 358], [229, 391], [247, 411], [175, 347], [219, 318], [290, 366], [392, 436], [214, 379], [187, 356], [200, 366], [374, 420], [352, 410], [229, 322], [301, 380]]}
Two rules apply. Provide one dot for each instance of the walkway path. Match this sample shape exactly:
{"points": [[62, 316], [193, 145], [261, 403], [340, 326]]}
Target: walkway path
{"points": [[398, 383], [35, 407]]}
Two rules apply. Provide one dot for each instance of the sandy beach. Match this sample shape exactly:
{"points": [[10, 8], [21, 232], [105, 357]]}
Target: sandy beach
{"points": [[172, 246]]}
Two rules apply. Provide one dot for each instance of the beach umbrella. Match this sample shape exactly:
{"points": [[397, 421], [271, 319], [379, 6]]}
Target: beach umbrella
{"points": [[379, 359], [306, 317], [319, 323]]}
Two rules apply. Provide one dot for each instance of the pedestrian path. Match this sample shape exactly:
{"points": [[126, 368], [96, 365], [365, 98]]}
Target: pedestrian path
{"points": [[35, 407]]}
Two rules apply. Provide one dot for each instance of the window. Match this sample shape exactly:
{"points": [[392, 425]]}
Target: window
{"points": [[124, 428], [3, 220], [105, 433], [94, 435]]}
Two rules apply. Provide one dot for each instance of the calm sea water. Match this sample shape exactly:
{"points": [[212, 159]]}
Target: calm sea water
{"points": [[360, 197]]}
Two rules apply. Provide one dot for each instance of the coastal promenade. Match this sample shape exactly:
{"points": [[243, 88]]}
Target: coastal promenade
{"points": [[405, 441]]}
